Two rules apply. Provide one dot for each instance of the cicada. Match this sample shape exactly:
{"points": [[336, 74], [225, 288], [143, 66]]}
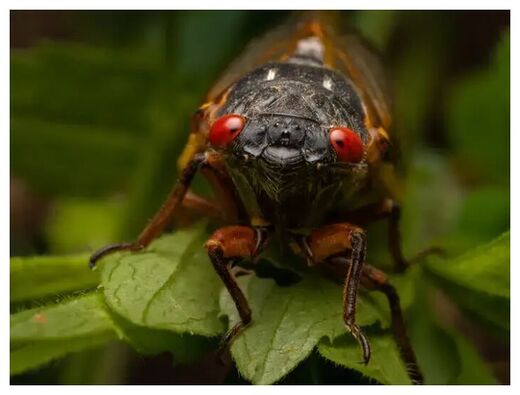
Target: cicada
{"points": [[290, 139]]}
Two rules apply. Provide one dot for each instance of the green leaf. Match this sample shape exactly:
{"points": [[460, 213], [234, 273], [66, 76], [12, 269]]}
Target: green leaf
{"points": [[32, 355], [37, 277], [72, 318], [485, 269], [42, 334], [171, 285], [385, 366], [287, 323]]}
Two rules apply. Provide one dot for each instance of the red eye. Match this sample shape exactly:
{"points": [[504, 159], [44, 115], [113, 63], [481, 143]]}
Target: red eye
{"points": [[347, 144], [225, 129]]}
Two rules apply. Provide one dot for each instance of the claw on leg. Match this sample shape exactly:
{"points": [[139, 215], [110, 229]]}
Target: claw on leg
{"points": [[97, 255], [358, 334]]}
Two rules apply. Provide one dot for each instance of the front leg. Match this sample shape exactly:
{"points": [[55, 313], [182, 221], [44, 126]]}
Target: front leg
{"points": [[230, 244], [345, 245], [162, 217]]}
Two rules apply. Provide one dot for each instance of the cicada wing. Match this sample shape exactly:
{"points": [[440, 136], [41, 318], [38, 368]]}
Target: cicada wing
{"points": [[350, 55], [275, 45], [344, 52]]}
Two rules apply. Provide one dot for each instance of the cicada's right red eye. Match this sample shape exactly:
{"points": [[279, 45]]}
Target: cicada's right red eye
{"points": [[347, 144], [225, 129]]}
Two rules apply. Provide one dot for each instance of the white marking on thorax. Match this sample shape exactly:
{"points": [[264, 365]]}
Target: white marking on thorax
{"points": [[310, 47], [270, 75], [327, 83]]}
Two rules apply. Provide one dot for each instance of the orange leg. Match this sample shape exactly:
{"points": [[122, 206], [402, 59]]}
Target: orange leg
{"points": [[230, 244], [391, 210], [343, 245]]}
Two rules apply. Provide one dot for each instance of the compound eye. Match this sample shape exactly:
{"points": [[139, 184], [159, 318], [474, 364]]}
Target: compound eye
{"points": [[347, 144], [225, 129]]}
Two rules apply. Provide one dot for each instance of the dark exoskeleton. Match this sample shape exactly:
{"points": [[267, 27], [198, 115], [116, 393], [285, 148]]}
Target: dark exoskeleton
{"points": [[298, 125]]}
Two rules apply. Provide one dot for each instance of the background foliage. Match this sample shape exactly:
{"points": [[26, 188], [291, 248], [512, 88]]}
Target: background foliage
{"points": [[100, 105]]}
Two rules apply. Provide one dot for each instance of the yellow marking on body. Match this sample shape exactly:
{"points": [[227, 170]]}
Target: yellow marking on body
{"points": [[259, 222]]}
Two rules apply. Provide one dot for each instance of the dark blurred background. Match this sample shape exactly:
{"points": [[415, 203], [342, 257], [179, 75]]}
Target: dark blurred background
{"points": [[100, 107]]}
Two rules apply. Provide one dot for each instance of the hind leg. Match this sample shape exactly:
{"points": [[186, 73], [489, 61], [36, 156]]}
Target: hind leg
{"points": [[375, 279]]}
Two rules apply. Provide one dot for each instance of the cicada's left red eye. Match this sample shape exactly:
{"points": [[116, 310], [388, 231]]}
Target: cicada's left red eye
{"points": [[225, 129], [347, 144]]}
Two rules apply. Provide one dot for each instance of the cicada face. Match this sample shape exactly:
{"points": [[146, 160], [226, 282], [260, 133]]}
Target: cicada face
{"points": [[283, 142]]}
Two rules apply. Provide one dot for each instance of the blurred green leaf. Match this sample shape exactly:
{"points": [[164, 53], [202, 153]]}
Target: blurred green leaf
{"points": [[82, 225], [376, 26], [444, 356], [385, 366], [431, 204], [478, 118], [478, 282], [476, 225], [198, 27], [38, 277], [484, 270], [171, 285], [32, 355], [42, 334], [436, 351], [70, 159], [415, 76], [184, 347], [82, 111], [473, 369], [287, 323], [74, 84]]}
